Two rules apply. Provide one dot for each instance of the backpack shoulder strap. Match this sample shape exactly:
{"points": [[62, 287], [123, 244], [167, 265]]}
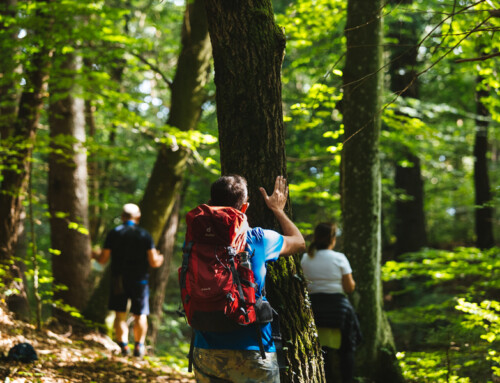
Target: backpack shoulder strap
{"points": [[186, 251], [191, 352], [278, 341]]}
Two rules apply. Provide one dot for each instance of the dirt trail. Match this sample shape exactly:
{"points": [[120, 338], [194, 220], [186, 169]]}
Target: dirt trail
{"points": [[65, 356]]}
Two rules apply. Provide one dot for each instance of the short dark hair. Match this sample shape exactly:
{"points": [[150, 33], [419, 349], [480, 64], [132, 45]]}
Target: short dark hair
{"points": [[230, 190]]}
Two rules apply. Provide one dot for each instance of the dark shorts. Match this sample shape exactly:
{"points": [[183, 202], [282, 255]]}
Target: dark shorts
{"points": [[122, 291]]}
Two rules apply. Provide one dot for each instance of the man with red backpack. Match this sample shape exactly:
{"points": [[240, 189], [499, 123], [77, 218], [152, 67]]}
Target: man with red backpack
{"points": [[241, 349]]}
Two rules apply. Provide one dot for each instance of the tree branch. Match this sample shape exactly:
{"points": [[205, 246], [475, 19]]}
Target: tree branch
{"points": [[154, 68], [495, 13], [482, 58], [309, 159]]}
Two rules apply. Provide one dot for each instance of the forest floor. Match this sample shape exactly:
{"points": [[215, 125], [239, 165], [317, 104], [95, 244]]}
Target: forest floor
{"points": [[67, 356]]}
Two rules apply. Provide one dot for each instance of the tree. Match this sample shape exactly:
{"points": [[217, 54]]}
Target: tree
{"points": [[410, 217], [67, 192], [483, 199], [159, 277], [19, 125], [187, 97], [159, 212], [248, 51], [361, 189]]}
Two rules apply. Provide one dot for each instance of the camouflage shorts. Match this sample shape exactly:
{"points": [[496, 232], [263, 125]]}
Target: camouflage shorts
{"points": [[237, 366]]}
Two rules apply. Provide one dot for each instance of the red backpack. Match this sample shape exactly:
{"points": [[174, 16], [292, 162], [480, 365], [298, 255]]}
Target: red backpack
{"points": [[217, 292]]}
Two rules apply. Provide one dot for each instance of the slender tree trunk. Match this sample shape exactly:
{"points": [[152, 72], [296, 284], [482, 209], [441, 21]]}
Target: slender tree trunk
{"points": [[159, 214], [68, 193], [18, 131], [187, 98], [95, 221], [99, 180], [9, 94], [248, 51], [9, 90], [99, 169], [361, 189], [410, 231], [484, 210], [409, 221]]}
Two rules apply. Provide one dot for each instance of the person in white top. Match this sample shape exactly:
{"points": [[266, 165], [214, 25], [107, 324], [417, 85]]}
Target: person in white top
{"points": [[329, 277]]}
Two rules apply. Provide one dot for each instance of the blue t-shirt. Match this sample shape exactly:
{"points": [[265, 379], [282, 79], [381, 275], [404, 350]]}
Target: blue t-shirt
{"points": [[267, 245], [129, 245]]}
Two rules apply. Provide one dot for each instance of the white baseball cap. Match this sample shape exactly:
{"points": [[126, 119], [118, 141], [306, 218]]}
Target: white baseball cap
{"points": [[132, 210]]}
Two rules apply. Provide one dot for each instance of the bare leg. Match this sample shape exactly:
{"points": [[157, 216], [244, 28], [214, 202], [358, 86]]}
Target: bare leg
{"points": [[121, 328], [140, 328]]}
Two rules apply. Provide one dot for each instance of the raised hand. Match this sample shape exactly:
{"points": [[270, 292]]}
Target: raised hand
{"points": [[277, 200]]}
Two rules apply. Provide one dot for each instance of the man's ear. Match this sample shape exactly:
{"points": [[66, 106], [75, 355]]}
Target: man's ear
{"points": [[244, 207]]}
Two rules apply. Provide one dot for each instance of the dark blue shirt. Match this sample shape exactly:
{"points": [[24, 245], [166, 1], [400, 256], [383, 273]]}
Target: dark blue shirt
{"points": [[129, 245]]}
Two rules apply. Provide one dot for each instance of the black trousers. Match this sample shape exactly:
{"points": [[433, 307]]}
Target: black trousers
{"points": [[339, 365]]}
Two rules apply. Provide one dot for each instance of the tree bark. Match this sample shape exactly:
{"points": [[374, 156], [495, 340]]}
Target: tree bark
{"points": [[67, 191], [483, 210], [361, 188], [158, 279], [248, 50], [187, 97]]}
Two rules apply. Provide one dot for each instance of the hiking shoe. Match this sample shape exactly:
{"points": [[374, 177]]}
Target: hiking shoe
{"points": [[139, 350], [125, 350]]}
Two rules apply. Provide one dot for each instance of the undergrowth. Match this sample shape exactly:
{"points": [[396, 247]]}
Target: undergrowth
{"points": [[444, 311]]}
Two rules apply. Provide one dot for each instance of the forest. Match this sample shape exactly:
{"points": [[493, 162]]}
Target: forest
{"points": [[383, 116]]}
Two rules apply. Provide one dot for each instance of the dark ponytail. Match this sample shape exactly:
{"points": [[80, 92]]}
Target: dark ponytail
{"points": [[324, 234]]}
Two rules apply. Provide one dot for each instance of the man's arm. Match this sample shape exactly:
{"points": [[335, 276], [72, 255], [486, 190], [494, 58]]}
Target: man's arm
{"points": [[293, 241], [102, 256], [155, 259]]}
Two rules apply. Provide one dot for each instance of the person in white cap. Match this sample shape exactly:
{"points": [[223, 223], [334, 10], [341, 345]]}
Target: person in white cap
{"points": [[132, 251]]}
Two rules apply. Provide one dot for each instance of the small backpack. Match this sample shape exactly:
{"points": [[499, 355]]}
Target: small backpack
{"points": [[22, 352], [217, 292]]}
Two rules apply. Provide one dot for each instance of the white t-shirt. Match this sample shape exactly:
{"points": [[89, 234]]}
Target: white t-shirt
{"points": [[324, 271]]}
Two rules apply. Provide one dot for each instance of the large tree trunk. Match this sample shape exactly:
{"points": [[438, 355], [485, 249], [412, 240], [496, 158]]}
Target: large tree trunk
{"points": [[361, 189], [187, 97], [18, 131], [248, 51], [159, 277], [484, 209], [409, 220], [68, 193]]}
